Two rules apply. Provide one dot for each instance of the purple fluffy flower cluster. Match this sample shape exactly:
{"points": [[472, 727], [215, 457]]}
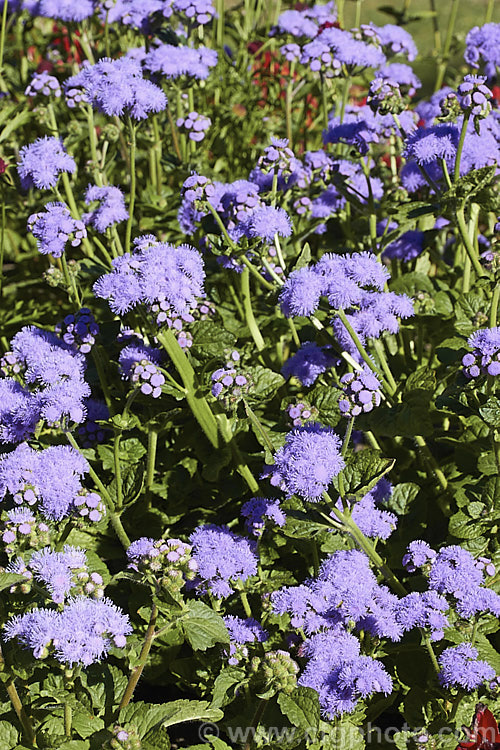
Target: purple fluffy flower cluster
{"points": [[361, 392], [374, 521], [78, 331], [485, 357], [242, 632], [110, 209], [156, 272], [83, 632], [118, 87], [50, 479], [41, 163], [223, 559], [174, 62], [258, 511], [307, 463], [229, 383], [22, 530], [474, 97], [305, 22], [54, 228], [483, 46], [340, 674], [461, 667], [140, 364], [49, 384], [309, 362], [454, 572]]}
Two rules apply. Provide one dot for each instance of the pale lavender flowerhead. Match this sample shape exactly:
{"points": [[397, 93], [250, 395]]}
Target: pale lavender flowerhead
{"points": [[223, 558], [41, 163], [110, 209], [460, 667], [55, 228]]}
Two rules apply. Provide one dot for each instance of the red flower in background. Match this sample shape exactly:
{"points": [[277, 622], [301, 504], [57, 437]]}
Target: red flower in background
{"points": [[483, 733]]}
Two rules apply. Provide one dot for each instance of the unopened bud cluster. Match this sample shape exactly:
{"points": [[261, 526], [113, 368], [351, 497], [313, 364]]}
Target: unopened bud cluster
{"points": [[301, 413], [195, 124], [125, 739], [361, 392], [79, 330], [89, 505], [385, 97], [167, 561], [22, 531], [229, 383], [278, 669]]}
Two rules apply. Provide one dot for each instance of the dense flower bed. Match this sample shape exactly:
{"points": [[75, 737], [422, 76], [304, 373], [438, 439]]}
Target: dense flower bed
{"points": [[249, 415]]}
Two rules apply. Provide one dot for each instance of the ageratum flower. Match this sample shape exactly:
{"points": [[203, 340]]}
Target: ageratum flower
{"points": [[54, 228], [51, 479], [474, 97], [78, 331], [483, 46], [461, 667], [265, 222], [417, 555], [241, 632], [60, 572], [424, 610], [403, 75], [485, 357], [156, 272], [223, 558], [339, 674], [307, 463], [141, 366], [258, 510], [110, 209], [305, 22], [173, 62], [43, 83], [41, 163], [361, 392], [195, 11], [309, 362], [137, 15], [195, 125], [82, 633], [396, 41], [118, 87], [67, 10]]}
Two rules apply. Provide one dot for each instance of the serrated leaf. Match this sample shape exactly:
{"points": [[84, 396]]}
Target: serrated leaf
{"points": [[210, 340], [363, 470], [8, 735], [203, 627], [402, 496], [301, 707], [490, 412], [264, 382], [224, 686], [146, 717]]}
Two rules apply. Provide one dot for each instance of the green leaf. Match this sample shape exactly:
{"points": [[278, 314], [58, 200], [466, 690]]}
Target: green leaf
{"points": [[264, 382], [146, 717], [304, 258], [203, 627], [403, 495], [8, 735], [487, 464], [490, 412], [301, 707], [224, 686], [10, 579], [210, 340], [326, 401], [363, 470]]}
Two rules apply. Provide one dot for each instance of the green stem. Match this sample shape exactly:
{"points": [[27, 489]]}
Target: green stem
{"points": [[241, 466], [157, 152], [2, 239], [198, 404], [70, 282], [114, 517], [257, 718], [246, 605], [494, 306], [460, 147], [175, 139], [137, 670], [118, 469], [324, 101], [489, 11], [68, 718], [258, 426], [379, 348], [447, 44], [347, 435], [435, 24], [133, 148], [462, 226], [18, 706], [247, 307], [101, 374], [420, 441], [364, 354], [151, 458], [2, 40]]}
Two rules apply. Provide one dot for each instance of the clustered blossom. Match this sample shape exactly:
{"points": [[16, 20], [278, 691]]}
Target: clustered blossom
{"points": [[305, 22], [301, 413], [83, 632], [385, 96], [169, 561], [483, 46], [21, 529], [174, 62], [361, 392], [54, 228], [242, 632], [474, 97], [43, 83], [309, 362], [118, 87], [110, 209], [485, 357], [258, 511], [223, 558], [229, 383], [369, 514], [141, 366], [156, 272], [307, 463], [51, 479], [354, 283], [195, 124], [461, 667], [41, 163], [78, 331], [49, 386]]}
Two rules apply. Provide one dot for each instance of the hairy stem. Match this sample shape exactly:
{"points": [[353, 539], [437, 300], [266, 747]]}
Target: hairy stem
{"points": [[137, 670]]}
